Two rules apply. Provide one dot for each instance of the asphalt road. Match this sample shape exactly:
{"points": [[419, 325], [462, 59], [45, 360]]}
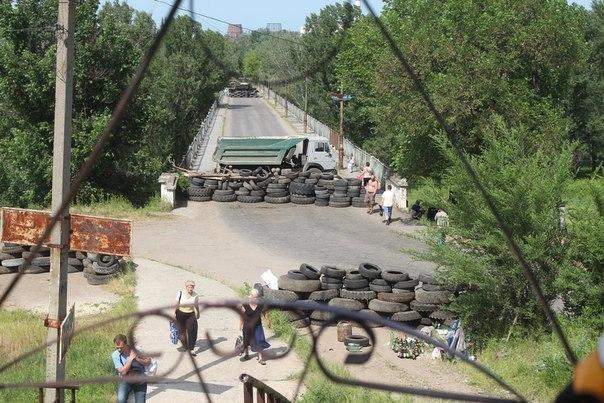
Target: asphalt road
{"points": [[252, 117]]}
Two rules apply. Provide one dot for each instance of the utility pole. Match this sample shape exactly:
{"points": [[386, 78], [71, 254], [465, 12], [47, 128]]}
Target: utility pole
{"points": [[341, 136], [305, 104], [59, 237]]}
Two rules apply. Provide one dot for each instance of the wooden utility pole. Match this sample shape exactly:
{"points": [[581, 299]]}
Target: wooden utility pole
{"points": [[305, 104], [341, 136], [286, 96], [59, 237]]}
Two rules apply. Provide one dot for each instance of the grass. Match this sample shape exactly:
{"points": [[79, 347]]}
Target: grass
{"points": [[88, 355], [535, 365], [318, 387], [120, 207]]}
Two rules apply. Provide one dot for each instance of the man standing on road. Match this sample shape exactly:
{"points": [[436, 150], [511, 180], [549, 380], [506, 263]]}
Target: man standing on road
{"points": [[442, 222], [371, 188], [388, 203], [367, 173], [127, 362]]}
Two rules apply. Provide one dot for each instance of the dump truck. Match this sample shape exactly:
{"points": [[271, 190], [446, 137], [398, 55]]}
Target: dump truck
{"points": [[303, 153]]}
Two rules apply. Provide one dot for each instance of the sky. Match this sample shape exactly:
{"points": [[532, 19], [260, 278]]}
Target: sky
{"points": [[253, 14]]}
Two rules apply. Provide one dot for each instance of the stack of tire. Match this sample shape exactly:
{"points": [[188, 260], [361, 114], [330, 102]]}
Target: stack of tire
{"points": [[356, 192], [97, 268], [389, 294], [100, 268], [339, 197], [201, 190], [302, 188]]}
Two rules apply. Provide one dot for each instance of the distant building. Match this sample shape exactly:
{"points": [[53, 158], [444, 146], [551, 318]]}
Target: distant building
{"points": [[274, 27], [234, 31]]}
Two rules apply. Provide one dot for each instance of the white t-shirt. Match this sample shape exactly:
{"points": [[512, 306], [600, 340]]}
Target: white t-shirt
{"points": [[388, 198], [442, 219]]}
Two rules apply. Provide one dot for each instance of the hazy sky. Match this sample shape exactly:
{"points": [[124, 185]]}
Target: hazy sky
{"points": [[253, 14]]}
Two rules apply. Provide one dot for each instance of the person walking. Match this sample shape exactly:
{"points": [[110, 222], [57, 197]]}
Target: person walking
{"points": [[388, 203], [371, 188], [350, 163], [442, 222], [127, 361], [186, 315], [251, 325], [367, 173]]}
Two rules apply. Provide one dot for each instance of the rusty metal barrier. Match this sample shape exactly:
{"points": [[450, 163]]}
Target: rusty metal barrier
{"points": [[264, 393]]}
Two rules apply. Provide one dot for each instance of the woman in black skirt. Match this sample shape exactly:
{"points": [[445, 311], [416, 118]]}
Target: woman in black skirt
{"points": [[253, 333]]}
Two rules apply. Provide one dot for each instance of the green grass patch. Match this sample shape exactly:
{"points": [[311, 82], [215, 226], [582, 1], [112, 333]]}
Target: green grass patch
{"points": [[535, 365], [318, 387], [120, 207], [88, 356]]}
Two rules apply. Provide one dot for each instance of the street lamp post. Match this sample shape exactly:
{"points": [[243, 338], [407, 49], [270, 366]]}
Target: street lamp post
{"points": [[341, 98]]}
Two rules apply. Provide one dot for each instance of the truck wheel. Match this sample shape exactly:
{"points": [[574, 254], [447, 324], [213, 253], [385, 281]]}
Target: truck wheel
{"points": [[314, 170]]}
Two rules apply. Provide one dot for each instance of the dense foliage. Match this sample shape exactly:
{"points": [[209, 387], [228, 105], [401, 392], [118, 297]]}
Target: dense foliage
{"points": [[110, 41], [521, 85]]}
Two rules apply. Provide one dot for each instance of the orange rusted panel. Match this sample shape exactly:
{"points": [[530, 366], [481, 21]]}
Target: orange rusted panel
{"points": [[23, 227], [87, 233], [101, 235]]}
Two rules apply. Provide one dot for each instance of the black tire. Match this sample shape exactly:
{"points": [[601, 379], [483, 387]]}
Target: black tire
{"points": [[336, 199], [354, 275], [302, 199], [394, 276], [80, 255], [362, 341], [432, 287], [331, 286], [302, 189], [279, 186], [263, 184], [426, 322], [12, 249], [10, 263], [396, 297], [224, 198], [333, 272], [321, 203], [443, 315], [355, 284], [73, 269], [105, 269], [200, 199], [359, 200], [247, 186], [354, 182], [369, 271], [242, 192], [41, 261], [342, 183], [279, 295], [323, 295], [245, 172], [257, 193], [406, 285], [296, 275], [106, 260], [7, 270], [276, 200], [24, 255], [6, 256], [380, 288], [321, 315], [311, 181], [358, 295], [345, 303], [293, 315], [326, 176], [98, 279], [235, 185], [200, 192], [432, 297], [87, 262], [373, 314], [257, 171], [379, 281], [387, 307], [406, 316], [331, 280], [283, 193], [304, 174], [250, 199], [427, 279], [289, 284], [220, 192], [310, 272], [418, 306], [92, 256], [74, 261]]}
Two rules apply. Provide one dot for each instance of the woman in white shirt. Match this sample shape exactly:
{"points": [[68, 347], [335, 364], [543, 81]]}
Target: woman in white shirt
{"points": [[187, 314]]}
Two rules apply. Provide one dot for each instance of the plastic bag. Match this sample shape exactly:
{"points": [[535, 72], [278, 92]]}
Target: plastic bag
{"points": [[270, 279]]}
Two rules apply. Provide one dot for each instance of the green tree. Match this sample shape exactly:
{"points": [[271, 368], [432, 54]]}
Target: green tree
{"points": [[252, 65]]}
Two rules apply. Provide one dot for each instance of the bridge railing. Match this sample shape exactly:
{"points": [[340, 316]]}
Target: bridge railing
{"points": [[382, 171], [199, 142]]}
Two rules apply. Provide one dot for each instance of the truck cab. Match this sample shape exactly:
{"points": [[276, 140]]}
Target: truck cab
{"points": [[317, 154]]}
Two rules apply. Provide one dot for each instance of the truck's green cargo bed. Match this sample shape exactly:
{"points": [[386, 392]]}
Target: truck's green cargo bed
{"points": [[254, 150]]}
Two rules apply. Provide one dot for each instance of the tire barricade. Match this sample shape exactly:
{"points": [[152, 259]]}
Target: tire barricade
{"points": [[98, 268], [390, 294]]}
